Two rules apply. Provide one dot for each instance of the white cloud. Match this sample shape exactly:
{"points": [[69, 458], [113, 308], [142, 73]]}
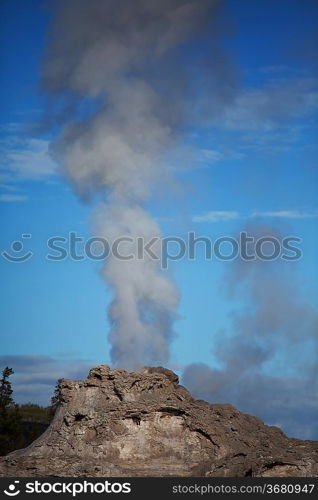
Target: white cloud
{"points": [[266, 109], [287, 214], [12, 197], [22, 159], [212, 155], [216, 216], [27, 159], [226, 215], [278, 68], [7, 187]]}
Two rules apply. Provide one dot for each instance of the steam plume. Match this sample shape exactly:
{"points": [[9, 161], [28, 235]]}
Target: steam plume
{"points": [[274, 327], [125, 55]]}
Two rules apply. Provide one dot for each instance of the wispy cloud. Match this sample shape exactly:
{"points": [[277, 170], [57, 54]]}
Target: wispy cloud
{"points": [[287, 214], [7, 187], [273, 141], [22, 159], [267, 108], [274, 69], [187, 157], [212, 155], [12, 197], [216, 216], [227, 215], [26, 159]]}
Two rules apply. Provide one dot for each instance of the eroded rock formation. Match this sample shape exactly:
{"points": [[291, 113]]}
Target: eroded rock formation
{"points": [[117, 423]]}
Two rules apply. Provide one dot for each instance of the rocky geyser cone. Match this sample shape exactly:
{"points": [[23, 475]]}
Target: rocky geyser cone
{"points": [[117, 423]]}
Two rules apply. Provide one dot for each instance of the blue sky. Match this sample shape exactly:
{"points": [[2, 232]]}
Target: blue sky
{"points": [[258, 156]]}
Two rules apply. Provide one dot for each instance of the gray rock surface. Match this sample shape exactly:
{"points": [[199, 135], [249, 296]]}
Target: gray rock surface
{"points": [[117, 423]]}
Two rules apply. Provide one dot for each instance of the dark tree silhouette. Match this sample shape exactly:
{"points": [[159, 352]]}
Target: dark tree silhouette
{"points": [[10, 420], [55, 400]]}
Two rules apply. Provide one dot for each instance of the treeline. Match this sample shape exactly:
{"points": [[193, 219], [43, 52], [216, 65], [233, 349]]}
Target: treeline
{"points": [[20, 425]]}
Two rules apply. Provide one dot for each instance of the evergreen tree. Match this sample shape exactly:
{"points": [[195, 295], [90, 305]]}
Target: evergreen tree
{"points": [[10, 420], [55, 400]]}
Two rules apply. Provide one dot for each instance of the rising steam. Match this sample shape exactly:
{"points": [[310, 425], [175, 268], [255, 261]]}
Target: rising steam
{"points": [[274, 326], [124, 56]]}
